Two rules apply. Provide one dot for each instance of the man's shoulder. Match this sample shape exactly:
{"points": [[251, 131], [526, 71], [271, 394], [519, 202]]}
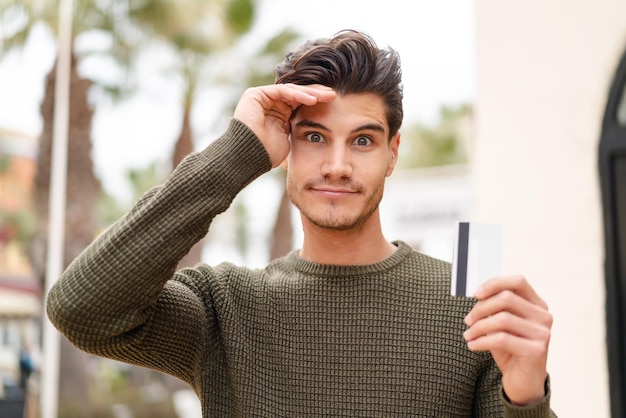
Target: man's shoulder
{"points": [[424, 263], [204, 278]]}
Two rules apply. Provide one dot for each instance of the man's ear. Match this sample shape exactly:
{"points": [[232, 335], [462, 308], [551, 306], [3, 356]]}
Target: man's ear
{"points": [[394, 145]]}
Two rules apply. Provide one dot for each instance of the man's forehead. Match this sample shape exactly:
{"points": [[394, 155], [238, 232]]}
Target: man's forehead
{"points": [[364, 111]]}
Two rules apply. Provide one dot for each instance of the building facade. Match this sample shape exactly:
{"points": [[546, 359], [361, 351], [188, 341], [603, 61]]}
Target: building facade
{"points": [[20, 297], [544, 73]]}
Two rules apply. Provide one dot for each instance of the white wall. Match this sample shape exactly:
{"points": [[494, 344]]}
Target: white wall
{"points": [[421, 207], [543, 73]]}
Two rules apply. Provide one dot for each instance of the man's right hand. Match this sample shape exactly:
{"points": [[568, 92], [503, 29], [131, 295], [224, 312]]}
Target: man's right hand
{"points": [[267, 110]]}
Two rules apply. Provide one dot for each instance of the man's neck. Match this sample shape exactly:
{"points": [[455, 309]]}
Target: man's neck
{"points": [[365, 245]]}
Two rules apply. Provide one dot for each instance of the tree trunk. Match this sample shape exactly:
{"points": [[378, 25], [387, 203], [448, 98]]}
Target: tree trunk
{"points": [[83, 190], [282, 233]]}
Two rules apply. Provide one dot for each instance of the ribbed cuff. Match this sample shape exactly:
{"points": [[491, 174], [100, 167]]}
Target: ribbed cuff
{"points": [[540, 409]]}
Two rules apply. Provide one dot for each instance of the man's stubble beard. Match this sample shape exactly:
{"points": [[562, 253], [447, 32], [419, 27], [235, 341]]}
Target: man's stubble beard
{"points": [[334, 220]]}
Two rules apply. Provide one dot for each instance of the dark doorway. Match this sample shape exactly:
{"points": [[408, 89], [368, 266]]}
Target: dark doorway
{"points": [[612, 161]]}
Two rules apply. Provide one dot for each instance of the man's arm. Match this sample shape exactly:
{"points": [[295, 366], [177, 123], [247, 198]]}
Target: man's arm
{"points": [[116, 299]]}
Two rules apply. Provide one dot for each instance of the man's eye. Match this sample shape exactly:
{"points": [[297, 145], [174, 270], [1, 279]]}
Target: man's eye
{"points": [[314, 137], [363, 141]]}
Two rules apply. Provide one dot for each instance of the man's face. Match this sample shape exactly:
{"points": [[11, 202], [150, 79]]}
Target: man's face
{"points": [[340, 155]]}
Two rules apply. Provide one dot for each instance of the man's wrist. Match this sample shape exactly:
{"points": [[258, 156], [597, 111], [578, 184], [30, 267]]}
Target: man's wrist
{"points": [[531, 399]]}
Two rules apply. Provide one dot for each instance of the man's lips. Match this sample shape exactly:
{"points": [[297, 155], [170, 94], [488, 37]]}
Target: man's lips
{"points": [[334, 191]]}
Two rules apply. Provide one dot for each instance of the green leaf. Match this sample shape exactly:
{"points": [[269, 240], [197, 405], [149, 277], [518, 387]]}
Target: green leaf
{"points": [[240, 15]]}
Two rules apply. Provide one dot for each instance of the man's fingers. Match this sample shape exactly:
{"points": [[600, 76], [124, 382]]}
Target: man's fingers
{"points": [[278, 101], [507, 323], [509, 301], [266, 110], [295, 95], [508, 312], [516, 283], [511, 344]]}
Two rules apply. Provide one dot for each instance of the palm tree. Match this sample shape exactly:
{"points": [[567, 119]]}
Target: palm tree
{"points": [[195, 31], [282, 232], [125, 23], [20, 18], [260, 71], [83, 187]]}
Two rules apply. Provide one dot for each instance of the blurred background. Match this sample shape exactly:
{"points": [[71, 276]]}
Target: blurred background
{"points": [[514, 113]]}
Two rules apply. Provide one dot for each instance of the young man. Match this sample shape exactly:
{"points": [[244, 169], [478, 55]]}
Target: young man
{"points": [[349, 325]]}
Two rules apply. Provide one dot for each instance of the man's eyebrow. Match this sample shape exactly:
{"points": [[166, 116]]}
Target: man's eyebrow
{"points": [[306, 123], [367, 127], [370, 127]]}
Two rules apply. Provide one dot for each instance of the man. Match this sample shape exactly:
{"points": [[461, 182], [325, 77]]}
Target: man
{"points": [[349, 325]]}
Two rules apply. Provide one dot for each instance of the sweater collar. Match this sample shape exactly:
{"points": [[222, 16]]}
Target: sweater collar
{"points": [[309, 267]]}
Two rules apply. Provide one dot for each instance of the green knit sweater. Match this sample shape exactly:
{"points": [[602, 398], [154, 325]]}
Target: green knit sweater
{"points": [[295, 339]]}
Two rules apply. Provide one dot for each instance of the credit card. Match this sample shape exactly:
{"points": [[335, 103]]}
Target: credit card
{"points": [[477, 256]]}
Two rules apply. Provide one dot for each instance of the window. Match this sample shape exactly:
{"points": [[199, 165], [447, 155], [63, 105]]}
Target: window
{"points": [[612, 159]]}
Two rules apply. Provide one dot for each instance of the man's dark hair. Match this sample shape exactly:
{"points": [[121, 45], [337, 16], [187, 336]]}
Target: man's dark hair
{"points": [[350, 62]]}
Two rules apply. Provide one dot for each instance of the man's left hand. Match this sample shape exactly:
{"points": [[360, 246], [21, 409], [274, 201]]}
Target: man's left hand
{"points": [[512, 322]]}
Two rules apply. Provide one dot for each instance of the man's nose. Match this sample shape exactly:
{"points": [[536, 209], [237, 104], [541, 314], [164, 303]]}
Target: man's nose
{"points": [[337, 162]]}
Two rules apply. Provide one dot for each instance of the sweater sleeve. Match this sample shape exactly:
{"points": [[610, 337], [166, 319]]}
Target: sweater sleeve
{"points": [[539, 410], [116, 298], [491, 401]]}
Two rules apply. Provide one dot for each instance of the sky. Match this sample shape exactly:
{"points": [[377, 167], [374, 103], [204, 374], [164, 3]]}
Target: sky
{"points": [[435, 40]]}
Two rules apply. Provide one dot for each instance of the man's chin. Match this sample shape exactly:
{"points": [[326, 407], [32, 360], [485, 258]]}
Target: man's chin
{"points": [[343, 223]]}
